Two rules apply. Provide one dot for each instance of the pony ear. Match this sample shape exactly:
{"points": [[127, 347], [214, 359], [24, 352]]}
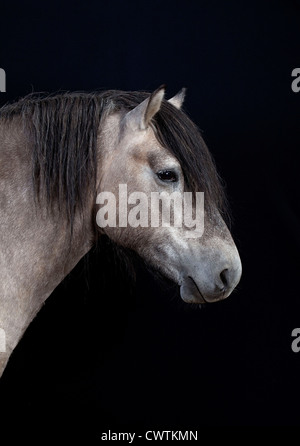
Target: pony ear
{"points": [[178, 99], [139, 118]]}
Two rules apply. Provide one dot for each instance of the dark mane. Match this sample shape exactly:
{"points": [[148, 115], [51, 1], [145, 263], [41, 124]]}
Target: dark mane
{"points": [[182, 137], [64, 130]]}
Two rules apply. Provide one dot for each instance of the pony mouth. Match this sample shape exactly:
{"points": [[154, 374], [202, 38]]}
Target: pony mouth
{"points": [[190, 293]]}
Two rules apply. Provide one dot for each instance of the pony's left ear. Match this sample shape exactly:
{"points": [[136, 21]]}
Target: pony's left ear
{"points": [[178, 99], [139, 118]]}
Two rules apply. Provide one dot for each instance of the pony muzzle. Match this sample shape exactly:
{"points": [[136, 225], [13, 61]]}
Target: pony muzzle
{"points": [[193, 291]]}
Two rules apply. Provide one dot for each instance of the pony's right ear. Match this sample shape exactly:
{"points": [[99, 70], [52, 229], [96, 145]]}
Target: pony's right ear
{"points": [[139, 118], [178, 99]]}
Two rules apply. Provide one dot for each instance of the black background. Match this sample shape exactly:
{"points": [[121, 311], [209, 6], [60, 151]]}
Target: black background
{"points": [[97, 358]]}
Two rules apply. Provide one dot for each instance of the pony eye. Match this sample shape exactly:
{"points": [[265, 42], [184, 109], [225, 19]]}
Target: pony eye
{"points": [[168, 176]]}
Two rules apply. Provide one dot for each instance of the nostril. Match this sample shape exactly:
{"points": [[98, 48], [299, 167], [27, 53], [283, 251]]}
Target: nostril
{"points": [[224, 278]]}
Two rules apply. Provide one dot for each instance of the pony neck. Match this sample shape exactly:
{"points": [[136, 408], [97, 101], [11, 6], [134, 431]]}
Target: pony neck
{"points": [[36, 249]]}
